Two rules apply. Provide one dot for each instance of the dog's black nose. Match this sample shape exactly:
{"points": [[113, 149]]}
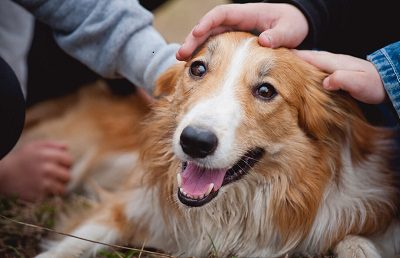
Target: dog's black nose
{"points": [[198, 142]]}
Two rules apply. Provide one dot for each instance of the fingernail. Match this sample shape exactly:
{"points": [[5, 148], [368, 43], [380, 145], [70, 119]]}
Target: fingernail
{"points": [[268, 39], [178, 54], [326, 84], [194, 30]]}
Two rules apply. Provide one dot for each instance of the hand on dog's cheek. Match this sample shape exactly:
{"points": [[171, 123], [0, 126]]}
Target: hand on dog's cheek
{"points": [[357, 76]]}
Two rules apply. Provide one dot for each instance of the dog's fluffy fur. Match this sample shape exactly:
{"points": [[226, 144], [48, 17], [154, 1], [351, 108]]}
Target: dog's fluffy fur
{"points": [[321, 179]]}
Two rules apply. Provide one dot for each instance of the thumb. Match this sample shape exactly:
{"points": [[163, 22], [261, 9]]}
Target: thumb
{"points": [[272, 38], [279, 36], [355, 83], [343, 80], [265, 39], [352, 82], [328, 85]]}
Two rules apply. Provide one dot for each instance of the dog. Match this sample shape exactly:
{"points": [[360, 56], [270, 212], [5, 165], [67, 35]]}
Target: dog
{"points": [[243, 153]]}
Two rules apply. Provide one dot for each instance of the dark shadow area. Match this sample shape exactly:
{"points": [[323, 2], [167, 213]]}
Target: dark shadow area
{"points": [[53, 73]]}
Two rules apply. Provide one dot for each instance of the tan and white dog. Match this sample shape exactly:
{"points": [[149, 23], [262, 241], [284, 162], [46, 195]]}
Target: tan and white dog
{"points": [[244, 153]]}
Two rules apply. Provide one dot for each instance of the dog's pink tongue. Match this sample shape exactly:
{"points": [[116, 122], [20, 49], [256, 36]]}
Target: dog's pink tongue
{"points": [[196, 180]]}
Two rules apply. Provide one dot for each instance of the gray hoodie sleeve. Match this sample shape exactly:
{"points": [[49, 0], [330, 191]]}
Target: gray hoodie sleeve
{"points": [[113, 37]]}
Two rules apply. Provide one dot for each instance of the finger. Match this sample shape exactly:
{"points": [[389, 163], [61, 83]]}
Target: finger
{"points": [[53, 187], [278, 36], [321, 59], [56, 172], [357, 84], [191, 43], [222, 15], [188, 47], [221, 19], [59, 156], [344, 80], [265, 39], [330, 62], [328, 85], [54, 144], [62, 175]]}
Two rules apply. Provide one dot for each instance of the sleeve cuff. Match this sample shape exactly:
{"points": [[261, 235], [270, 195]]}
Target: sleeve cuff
{"points": [[387, 62]]}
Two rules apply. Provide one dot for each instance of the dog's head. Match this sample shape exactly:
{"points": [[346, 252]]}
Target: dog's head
{"points": [[238, 105], [250, 130], [244, 118]]}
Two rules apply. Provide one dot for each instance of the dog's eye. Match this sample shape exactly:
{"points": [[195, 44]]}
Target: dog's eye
{"points": [[265, 91], [198, 69]]}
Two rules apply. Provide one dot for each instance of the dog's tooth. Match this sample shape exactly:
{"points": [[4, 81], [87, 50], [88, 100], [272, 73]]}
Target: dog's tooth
{"points": [[179, 179], [210, 187]]}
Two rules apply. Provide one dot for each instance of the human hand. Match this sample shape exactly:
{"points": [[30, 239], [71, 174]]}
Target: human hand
{"points": [[35, 170], [354, 75], [279, 24]]}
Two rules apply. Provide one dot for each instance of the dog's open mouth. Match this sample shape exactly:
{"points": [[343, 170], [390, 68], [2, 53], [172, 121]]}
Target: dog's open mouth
{"points": [[199, 185]]}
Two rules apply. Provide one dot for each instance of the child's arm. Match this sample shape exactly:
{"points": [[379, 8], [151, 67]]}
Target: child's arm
{"points": [[114, 38]]}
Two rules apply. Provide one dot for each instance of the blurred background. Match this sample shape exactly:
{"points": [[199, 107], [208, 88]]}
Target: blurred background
{"points": [[52, 73], [175, 18]]}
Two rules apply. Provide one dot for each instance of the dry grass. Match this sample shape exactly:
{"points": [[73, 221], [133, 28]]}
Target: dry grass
{"points": [[17, 240]]}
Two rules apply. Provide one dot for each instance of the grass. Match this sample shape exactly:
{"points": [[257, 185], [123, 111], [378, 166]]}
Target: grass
{"points": [[19, 241], [116, 254]]}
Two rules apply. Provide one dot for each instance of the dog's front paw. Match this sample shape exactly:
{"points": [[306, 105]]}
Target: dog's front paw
{"points": [[356, 247]]}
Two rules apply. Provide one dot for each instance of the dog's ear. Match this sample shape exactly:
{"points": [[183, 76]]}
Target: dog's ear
{"points": [[333, 116], [320, 115], [166, 83]]}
